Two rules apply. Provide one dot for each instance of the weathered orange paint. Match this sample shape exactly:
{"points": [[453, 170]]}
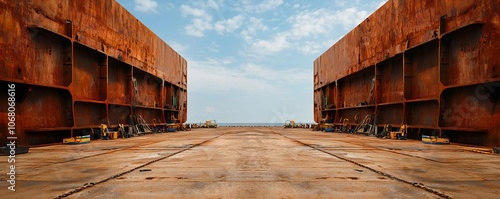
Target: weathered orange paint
{"points": [[73, 63], [435, 65]]}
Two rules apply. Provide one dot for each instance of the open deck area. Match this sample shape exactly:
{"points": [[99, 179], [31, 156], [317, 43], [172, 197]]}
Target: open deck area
{"points": [[261, 162]]}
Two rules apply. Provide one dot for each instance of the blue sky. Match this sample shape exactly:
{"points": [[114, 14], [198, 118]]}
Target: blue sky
{"points": [[250, 61]]}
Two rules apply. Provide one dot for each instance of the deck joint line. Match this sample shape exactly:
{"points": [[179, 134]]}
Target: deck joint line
{"points": [[89, 185], [414, 184]]}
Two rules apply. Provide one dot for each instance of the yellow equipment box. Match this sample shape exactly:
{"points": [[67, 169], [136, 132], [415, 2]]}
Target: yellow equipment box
{"points": [[77, 140], [434, 140], [113, 135]]}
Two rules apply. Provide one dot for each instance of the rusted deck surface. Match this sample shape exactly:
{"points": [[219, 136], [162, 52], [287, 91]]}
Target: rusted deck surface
{"points": [[432, 65], [255, 163]]}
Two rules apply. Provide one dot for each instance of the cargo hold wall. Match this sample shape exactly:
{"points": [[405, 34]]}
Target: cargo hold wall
{"points": [[78, 64], [433, 65]]}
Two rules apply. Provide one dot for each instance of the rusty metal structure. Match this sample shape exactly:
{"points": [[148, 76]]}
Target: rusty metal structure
{"points": [[77, 64], [433, 65]]}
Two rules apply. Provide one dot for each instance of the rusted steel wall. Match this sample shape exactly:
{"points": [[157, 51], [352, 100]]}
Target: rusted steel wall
{"points": [[435, 65], [75, 64]]}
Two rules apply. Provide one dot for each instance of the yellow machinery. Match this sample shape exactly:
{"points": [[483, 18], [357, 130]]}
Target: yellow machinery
{"points": [[399, 135], [210, 124], [323, 124], [104, 132], [290, 124]]}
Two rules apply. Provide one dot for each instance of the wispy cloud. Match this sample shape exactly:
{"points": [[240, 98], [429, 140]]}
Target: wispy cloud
{"points": [[222, 75], [214, 4], [187, 10], [306, 27], [254, 25], [146, 6], [323, 21], [229, 25], [278, 43], [219, 79], [314, 47], [268, 5], [202, 20], [264, 6], [198, 27]]}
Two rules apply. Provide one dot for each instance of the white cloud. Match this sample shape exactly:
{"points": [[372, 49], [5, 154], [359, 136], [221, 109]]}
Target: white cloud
{"points": [[311, 47], [202, 18], [252, 28], [296, 6], [196, 12], [214, 4], [307, 27], [314, 47], [193, 31], [201, 21], [324, 21], [198, 27], [224, 75], [268, 5], [256, 25], [146, 5], [214, 75], [229, 25], [251, 7], [277, 44]]}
